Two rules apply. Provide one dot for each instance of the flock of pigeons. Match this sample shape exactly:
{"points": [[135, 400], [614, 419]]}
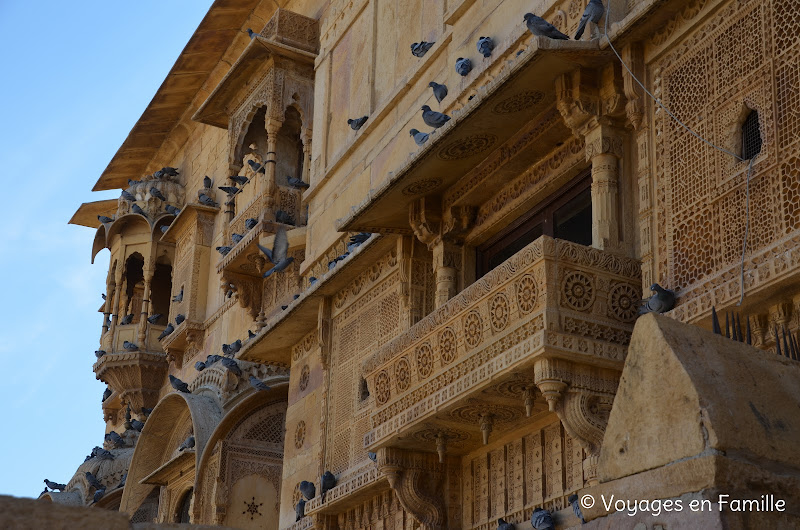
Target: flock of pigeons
{"points": [[326, 483]]}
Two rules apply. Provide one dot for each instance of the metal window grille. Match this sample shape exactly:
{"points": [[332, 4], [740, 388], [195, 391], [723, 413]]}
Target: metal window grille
{"points": [[751, 136]]}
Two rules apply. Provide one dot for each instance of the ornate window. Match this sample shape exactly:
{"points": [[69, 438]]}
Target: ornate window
{"points": [[751, 136], [567, 214]]}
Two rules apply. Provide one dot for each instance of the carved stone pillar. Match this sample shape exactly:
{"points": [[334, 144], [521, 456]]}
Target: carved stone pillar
{"points": [[142, 331], [117, 295], [305, 137], [111, 290], [604, 151], [447, 268], [267, 186]]}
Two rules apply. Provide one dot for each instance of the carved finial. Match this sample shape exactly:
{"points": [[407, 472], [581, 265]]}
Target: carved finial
{"points": [[441, 445], [551, 390], [486, 423], [529, 398]]}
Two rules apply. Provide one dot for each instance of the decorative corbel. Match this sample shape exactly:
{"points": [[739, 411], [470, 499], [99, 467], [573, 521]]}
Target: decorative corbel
{"points": [[584, 415], [633, 55], [577, 99], [418, 481], [421, 219], [249, 289], [457, 221]]}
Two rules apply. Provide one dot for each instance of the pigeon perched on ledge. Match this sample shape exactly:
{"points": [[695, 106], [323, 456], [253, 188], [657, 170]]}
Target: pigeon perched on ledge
{"points": [[179, 318], [432, 118], [187, 444], [154, 192], [137, 425], [179, 385], [258, 168], [154, 318], [439, 91], [56, 485], [92, 481], [127, 196], [239, 179], [357, 123], [258, 384], [172, 210], [130, 346], [662, 300], [463, 67], [137, 209], [327, 482], [250, 223], [502, 524], [167, 330], [127, 319], [297, 183], [206, 200], [541, 519], [178, 297], [104, 219], [232, 366], [542, 28], [308, 489], [418, 49], [300, 510], [485, 46], [593, 13], [576, 507]]}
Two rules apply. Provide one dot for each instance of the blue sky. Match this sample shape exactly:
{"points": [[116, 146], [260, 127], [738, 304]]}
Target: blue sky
{"points": [[76, 77]]}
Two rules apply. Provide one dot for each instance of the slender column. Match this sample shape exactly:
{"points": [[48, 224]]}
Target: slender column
{"points": [[111, 289], [604, 151], [148, 278], [268, 188], [447, 266]]}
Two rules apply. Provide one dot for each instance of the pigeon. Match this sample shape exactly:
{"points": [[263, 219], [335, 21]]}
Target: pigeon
{"points": [[187, 444], [103, 295], [146, 411], [224, 250], [230, 190], [439, 91], [93, 482], [130, 346], [122, 481], [106, 393], [169, 171], [326, 483], [232, 366], [573, 499], [207, 201], [104, 219], [360, 237], [357, 123], [312, 280], [236, 237], [240, 180], [419, 137], [485, 46], [98, 495], [258, 168], [295, 297], [207, 182], [250, 334], [99, 353], [115, 439], [172, 210], [132, 182], [308, 489], [102, 454], [154, 192], [127, 319], [332, 264], [154, 318], [178, 385], [502, 524], [211, 359], [593, 13], [297, 183], [250, 223], [542, 520], [300, 510], [283, 307], [61, 487], [542, 28], [167, 330], [164, 228], [178, 297], [199, 366], [418, 49], [463, 67], [127, 196], [662, 301], [137, 209], [137, 425], [277, 255], [179, 318], [251, 33], [258, 384], [284, 218], [373, 456], [432, 118]]}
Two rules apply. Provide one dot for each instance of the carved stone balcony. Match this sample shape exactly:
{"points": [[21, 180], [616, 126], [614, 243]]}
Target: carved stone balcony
{"points": [[551, 322], [135, 376]]}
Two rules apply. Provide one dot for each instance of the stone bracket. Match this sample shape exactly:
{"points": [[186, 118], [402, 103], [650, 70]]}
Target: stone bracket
{"points": [[418, 481]]}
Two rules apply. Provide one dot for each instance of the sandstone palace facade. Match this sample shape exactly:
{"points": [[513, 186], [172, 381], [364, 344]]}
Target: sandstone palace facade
{"points": [[454, 338]]}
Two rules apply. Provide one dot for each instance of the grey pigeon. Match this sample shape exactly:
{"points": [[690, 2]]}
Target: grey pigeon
{"points": [[258, 384], [57, 486], [250, 223], [104, 219], [154, 192], [357, 123], [164, 229], [418, 49], [158, 175], [154, 318], [542, 520], [258, 168], [662, 300], [332, 264], [178, 297], [130, 346], [137, 209], [284, 217], [419, 137], [167, 330], [297, 183], [295, 297], [283, 307], [232, 366], [308, 489], [300, 510], [137, 425], [207, 201], [463, 66], [593, 13], [485, 46], [439, 91], [127, 319], [251, 33], [92, 481], [207, 182], [106, 393], [172, 210], [103, 295], [278, 254], [372, 456], [230, 190], [179, 318], [312, 280], [211, 359], [240, 180], [146, 411], [199, 366], [432, 118], [250, 334], [573, 499], [236, 237], [224, 250], [542, 28], [169, 171], [127, 196], [122, 481], [187, 444], [98, 495], [115, 439], [326, 483], [132, 182], [99, 353], [502, 524], [102, 454], [179, 385], [360, 237]]}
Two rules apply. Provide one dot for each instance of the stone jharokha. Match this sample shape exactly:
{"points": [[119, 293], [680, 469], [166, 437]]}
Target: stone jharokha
{"points": [[457, 337]]}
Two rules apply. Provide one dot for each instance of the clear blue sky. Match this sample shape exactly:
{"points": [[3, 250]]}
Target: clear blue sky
{"points": [[76, 77]]}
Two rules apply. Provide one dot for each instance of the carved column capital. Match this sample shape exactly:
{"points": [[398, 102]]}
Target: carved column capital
{"points": [[422, 220]]}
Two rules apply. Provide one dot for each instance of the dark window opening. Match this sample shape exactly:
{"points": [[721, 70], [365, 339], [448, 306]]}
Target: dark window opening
{"points": [[363, 390], [567, 214], [183, 513], [161, 292], [751, 136], [134, 287]]}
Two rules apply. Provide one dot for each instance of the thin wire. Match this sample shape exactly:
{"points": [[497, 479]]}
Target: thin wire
{"points": [[691, 131]]}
